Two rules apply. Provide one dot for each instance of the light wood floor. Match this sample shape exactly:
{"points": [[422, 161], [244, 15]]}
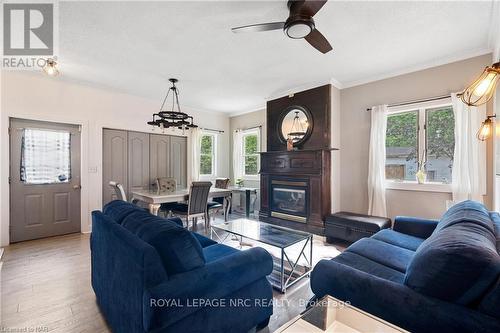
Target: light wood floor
{"points": [[46, 284]]}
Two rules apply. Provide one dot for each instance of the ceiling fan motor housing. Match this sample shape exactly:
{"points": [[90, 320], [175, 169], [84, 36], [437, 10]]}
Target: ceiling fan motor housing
{"points": [[298, 26]]}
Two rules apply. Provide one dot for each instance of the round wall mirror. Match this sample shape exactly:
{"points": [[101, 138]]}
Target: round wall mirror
{"points": [[296, 124]]}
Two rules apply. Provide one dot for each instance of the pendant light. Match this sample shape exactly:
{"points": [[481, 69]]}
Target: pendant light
{"points": [[483, 88], [486, 129], [297, 131], [50, 67], [172, 117]]}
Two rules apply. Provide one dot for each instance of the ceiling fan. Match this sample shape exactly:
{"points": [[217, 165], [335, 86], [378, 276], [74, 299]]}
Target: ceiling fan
{"points": [[299, 24]]}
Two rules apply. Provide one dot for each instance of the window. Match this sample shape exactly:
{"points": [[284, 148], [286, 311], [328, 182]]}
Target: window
{"points": [[207, 154], [45, 157], [420, 135], [251, 157], [401, 146]]}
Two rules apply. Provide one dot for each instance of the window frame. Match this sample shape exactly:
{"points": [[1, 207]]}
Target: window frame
{"points": [[407, 185], [245, 133], [213, 155]]}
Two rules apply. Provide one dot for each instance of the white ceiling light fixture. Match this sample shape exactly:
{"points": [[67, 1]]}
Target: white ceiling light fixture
{"points": [[50, 67]]}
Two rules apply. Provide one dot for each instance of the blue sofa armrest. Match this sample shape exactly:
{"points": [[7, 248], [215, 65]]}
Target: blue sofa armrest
{"points": [[414, 226], [170, 301], [395, 302]]}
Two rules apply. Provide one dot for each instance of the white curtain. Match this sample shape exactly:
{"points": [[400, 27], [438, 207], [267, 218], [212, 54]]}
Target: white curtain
{"points": [[196, 150], [468, 181], [237, 155], [376, 162]]}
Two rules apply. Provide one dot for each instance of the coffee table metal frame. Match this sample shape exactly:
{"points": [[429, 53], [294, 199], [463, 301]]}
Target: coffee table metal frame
{"points": [[284, 279]]}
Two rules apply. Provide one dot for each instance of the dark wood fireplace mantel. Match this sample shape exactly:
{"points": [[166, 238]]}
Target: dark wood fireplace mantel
{"points": [[295, 185], [309, 166]]}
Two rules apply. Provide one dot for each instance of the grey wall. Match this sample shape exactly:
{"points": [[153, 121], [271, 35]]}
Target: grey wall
{"points": [[355, 125]]}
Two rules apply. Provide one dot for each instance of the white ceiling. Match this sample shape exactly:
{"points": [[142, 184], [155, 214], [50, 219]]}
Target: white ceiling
{"points": [[135, 47]]}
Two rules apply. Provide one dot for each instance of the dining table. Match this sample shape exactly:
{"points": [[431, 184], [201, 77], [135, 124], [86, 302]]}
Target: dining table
{"points": [[155, 198]]}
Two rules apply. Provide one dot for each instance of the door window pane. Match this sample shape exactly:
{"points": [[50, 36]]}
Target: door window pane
{"points": [[440, 139], [401, 146], [45, 157]]}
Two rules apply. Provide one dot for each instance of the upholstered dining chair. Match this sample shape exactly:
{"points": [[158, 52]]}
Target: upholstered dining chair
{"points": [[217, 204], [197, 203], [119, 190], [166, 185]]}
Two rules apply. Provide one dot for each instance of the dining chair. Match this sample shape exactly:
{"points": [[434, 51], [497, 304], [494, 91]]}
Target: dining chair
{"points": [[119, 190], [197, 204], [217, 204], [166, 185]]}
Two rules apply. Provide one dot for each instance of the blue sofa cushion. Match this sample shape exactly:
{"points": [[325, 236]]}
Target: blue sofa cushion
{"points": [[179, 250], [495, 218], [389, 255], [136, 219], [466, 211], [371, 267], [399, 239], [457, 264], [217, 251], [118, 210]]}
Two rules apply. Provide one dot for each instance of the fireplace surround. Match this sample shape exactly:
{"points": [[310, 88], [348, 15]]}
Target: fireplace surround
{"points": [[295, 185], [295, 189]]}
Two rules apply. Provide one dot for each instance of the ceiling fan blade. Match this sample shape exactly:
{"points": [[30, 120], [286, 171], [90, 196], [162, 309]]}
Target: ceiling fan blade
{"points": [[259, 27], [309, 7], [318, 41]]}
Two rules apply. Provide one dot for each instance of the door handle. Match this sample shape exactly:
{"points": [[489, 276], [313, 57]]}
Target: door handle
{"points": [[77, 187]]}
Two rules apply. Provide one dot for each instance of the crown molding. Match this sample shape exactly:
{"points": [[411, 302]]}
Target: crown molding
{"points": [[419, 67]]}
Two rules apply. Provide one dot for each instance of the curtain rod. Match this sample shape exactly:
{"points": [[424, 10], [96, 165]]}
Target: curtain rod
{"points": [[417, 101], [248, 128], [211, 130]]}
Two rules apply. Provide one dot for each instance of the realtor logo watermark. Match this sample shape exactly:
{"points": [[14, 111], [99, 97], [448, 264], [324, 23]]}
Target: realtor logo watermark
{"points": [[28, 34]]}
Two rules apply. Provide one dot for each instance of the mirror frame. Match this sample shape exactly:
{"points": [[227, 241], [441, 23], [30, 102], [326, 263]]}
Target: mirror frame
{"points": [[310, 120]]}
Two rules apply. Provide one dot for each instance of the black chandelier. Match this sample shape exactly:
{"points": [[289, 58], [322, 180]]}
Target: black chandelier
{"points": [[172, 118]]}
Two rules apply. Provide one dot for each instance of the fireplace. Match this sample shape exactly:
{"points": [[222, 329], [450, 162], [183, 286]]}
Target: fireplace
{"points": [[289, 199], [295, 189]]}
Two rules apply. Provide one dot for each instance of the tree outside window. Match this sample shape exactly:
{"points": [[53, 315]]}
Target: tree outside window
{"points": [[420, 135], [207, 155], [251, 158]]}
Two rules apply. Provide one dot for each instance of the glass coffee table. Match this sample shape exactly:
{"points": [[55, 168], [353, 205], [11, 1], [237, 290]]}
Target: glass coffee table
{"points": [[287, 270]]}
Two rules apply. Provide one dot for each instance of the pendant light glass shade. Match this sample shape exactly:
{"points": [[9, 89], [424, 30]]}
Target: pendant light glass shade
{"points": [[482, 89], [486, 129]]}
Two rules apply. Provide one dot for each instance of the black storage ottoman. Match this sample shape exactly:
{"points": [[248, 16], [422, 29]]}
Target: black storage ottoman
{"points": [[351, 227]]}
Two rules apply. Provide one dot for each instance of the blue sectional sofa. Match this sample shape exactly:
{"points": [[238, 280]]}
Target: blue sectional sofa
{"points": [[424, 275], [152, 275]]}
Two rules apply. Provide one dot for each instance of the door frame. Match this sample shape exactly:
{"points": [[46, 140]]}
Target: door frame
{"points": [[85, 218]]}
